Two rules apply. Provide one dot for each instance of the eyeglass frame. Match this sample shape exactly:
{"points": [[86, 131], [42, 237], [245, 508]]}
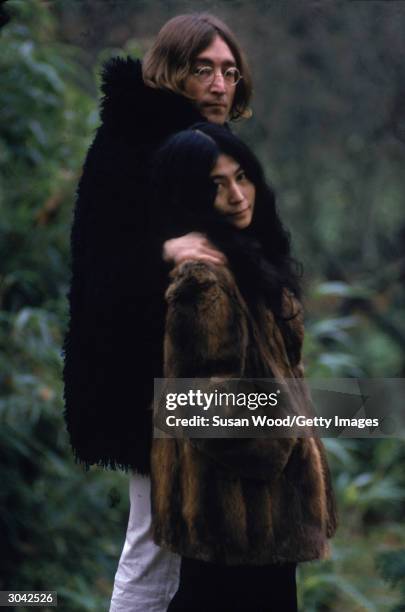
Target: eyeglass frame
{"points": [[215, 73]]}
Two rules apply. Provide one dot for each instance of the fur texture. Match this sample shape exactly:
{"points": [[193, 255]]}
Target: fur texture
{"points": [[236, 501], [113, 345]]}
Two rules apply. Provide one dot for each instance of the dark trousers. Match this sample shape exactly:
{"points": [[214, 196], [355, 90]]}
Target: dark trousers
{"points": [[208, 587]]}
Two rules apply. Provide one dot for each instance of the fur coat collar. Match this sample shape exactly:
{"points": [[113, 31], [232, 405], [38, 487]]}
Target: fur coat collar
{"points": [[127, 102]]}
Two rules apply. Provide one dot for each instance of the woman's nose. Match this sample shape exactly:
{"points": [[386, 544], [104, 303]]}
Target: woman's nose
{"points": [[235, 194]]}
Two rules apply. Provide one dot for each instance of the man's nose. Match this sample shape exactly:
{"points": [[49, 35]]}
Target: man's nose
{"points": [[218, 83]]}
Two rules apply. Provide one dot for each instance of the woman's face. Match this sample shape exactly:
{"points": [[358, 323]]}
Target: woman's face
{"points": [[235, 197]]}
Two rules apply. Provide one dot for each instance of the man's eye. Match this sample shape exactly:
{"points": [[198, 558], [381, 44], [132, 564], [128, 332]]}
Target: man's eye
{"points": [[203, 70]]}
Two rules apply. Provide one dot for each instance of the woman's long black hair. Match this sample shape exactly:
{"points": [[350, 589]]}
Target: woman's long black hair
{"points": [[184, 195]]}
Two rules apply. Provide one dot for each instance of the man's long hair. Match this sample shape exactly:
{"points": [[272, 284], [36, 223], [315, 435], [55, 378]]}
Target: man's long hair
{"points": [[184, 195], [169, 61]]}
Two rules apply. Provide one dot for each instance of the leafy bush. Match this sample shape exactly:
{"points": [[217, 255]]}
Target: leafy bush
{"points": [[62, 528]]}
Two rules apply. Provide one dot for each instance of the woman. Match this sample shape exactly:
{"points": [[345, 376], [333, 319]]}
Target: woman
{"points": [[242, 512]]}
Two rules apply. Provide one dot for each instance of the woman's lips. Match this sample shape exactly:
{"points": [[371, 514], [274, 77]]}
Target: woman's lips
{"points": [[238, 213]]}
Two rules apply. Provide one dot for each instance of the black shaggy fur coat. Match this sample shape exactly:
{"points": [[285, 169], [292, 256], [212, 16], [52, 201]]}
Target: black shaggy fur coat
{"points": [[113, 345]]}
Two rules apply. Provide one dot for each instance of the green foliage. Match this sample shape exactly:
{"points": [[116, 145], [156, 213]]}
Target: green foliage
{"points": [[47, 123], [392, 567], [62, 529]]}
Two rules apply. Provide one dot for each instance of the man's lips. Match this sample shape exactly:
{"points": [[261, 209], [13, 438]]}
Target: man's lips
{"points": [[215, 104]]}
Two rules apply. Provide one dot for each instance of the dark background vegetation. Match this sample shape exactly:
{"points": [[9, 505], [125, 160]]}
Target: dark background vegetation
{"points": [[329, 126]]}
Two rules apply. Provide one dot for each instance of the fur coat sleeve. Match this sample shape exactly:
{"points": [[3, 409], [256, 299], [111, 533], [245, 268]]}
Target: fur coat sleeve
{"points": [[207, 335]]}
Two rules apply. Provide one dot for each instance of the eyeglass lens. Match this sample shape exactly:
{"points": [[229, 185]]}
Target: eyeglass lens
{"points": [[207, 73]]}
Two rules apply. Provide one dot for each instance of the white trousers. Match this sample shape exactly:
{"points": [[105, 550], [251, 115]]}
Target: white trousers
{"points": [[147, 577]]}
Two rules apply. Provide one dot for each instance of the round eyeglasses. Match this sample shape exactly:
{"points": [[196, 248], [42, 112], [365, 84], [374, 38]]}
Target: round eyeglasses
{"points": [[207, 74]]}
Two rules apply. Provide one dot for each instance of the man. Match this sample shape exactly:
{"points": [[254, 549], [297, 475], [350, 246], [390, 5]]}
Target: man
{"points": [[113, 347], [115, 268]]}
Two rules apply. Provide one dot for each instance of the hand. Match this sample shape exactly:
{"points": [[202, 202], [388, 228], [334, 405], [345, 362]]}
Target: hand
{"points": [[192, 246]]}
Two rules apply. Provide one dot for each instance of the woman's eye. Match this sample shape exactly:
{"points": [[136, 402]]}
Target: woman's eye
{"points": [[241, 176]]}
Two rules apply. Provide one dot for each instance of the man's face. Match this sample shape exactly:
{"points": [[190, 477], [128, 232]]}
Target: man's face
{"points": [[213, 99]]}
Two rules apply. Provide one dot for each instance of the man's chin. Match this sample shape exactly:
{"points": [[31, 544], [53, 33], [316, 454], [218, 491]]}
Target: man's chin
{"points": [[215, 115]]}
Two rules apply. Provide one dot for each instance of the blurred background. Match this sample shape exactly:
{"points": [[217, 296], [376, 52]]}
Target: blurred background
{"points": [[329, 125]]}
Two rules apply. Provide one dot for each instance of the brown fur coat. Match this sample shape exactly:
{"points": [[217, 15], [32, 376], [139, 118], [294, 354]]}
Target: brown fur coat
{"points": [[238, 501]]}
